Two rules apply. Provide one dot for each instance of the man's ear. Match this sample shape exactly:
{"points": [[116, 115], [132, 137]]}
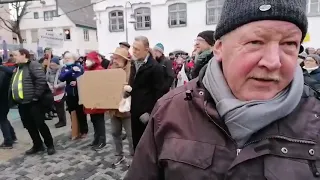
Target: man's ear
{"points": [[217, 50]]}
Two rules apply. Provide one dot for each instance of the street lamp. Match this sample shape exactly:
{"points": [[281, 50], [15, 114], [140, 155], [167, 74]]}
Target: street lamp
{"points": [[132, 19]]}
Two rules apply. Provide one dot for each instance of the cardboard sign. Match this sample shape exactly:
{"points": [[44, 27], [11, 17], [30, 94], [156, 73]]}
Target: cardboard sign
{"points": [[101, 89]]}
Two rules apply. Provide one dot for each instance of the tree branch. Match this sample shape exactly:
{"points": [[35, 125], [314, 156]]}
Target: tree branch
{"points": [[5, 22], [5, 28]]}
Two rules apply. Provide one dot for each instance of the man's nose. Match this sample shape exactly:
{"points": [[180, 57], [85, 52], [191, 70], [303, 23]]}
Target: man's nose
{"points": [[271, 57]]}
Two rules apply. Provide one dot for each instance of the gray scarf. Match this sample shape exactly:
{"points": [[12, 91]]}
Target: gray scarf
{"points": [[244, 118]]}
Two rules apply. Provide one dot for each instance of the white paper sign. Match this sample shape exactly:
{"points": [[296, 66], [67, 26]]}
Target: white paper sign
{"points": [[50, 39]]}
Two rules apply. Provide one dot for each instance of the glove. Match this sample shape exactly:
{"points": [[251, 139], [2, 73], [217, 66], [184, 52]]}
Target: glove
{"points": [[144, 118]]}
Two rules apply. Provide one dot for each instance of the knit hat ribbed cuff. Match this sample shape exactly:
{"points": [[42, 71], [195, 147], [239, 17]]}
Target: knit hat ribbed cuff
{"points": [[236, 13]]}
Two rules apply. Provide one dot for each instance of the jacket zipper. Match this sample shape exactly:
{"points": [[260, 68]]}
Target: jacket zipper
{"points": [[283, 138], [235, 143]]}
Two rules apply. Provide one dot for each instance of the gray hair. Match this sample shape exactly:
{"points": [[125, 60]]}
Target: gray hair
{"points": [[143, 39], [70, 55]]}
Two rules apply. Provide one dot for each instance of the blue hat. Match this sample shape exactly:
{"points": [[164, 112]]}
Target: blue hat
{"points": [[56, 60], [159, 47]]}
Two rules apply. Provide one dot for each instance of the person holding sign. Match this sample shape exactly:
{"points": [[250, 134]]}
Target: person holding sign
{"points": [[121, 118], [93, 63]]}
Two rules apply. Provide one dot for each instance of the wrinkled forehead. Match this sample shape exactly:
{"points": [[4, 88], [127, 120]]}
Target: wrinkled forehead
{"points": [[268, 29]]}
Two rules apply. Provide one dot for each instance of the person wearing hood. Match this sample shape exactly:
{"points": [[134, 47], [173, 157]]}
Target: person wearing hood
{"points": [[58, 89], [93, 63], [204, 43], [158, 52], [69, 74]]}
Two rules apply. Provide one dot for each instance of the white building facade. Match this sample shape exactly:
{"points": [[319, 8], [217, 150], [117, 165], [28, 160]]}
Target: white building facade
{"points": [[79, 34], [5, 33], [174, 23]]}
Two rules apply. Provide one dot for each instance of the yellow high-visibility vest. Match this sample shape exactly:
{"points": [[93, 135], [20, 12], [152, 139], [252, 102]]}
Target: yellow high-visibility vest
{"points": [[17, 86]]}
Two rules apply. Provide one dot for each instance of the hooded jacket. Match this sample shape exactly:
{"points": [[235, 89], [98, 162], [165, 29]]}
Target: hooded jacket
{"points": [[95, 66]]}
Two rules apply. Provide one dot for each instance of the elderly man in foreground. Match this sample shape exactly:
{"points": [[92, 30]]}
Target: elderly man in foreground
{"points": [[248, 116]]}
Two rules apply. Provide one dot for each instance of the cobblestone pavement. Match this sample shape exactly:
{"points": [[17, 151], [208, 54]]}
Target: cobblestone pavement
{"points": [[73, 160]]}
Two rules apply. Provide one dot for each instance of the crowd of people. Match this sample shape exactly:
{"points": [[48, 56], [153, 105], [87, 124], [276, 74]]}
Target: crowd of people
{"points": [[47, 88], [243, 104]]}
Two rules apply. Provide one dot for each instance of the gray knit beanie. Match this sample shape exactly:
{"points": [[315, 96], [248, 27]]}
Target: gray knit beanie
{"points": [[236, 13]]}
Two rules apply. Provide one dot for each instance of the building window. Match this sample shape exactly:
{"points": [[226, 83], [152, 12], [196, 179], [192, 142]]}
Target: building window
{"points": [[48, 15], [178, 15], [143, 18], [67, 34], [34, 35], [36, 15], [116, 21], [86, 34], [214, 8], [313, 7]]}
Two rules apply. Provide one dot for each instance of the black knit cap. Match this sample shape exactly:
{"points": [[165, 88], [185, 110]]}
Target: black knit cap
{"points": [[208, 36], [236, 13]]}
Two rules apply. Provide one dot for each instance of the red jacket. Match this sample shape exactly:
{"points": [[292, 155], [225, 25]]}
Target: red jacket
{"points": [[96, 67]]}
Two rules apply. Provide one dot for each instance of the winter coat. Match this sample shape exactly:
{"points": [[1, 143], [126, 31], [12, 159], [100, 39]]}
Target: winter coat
{"points": [[5, 79], [53, 80], [315, 74], [34, 82], [167, 72], [200, 62], [68, 75], [186, 139], [147, 87]]}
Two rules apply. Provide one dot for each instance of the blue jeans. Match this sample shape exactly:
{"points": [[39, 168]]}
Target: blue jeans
{"points": [[8, 132]]}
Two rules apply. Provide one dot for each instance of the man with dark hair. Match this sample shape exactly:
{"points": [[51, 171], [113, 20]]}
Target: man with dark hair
{"points": [[30, 91], [204, 43]]}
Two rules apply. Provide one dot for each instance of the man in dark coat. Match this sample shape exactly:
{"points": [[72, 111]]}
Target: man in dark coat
{"points": [[31, 92], [147, 81], [166, 65], [9, 135]]}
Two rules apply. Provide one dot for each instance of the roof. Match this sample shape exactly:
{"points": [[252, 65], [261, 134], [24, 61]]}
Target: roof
{"points": [[82, 17]]}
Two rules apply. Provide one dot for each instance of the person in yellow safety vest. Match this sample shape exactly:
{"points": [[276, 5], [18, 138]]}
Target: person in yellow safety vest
{"points": [[30, 91]]}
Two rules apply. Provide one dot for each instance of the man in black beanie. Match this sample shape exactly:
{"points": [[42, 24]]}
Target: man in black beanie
{"points": [[248, 116], [204, 43]]}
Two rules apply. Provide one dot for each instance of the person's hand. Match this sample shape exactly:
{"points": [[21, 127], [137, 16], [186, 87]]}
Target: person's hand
{"points": [[73, 83], [76, 68]]}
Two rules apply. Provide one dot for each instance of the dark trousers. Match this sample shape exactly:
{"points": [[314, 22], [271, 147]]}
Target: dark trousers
{"points": [[137, 128], [32, 117], [7, 130], [61, 111], [73, 105], [99, 126]]}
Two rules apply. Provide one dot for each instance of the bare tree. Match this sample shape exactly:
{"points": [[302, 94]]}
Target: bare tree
{"points": [[19, 10]]}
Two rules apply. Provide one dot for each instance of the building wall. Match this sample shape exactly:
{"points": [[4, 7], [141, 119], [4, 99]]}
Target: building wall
{"points": [[5, 34], [181, 38], [58, 24]]}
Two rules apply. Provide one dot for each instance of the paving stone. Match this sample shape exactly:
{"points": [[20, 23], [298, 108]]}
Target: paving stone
{"points": [[74, 161], [22, 173]]}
